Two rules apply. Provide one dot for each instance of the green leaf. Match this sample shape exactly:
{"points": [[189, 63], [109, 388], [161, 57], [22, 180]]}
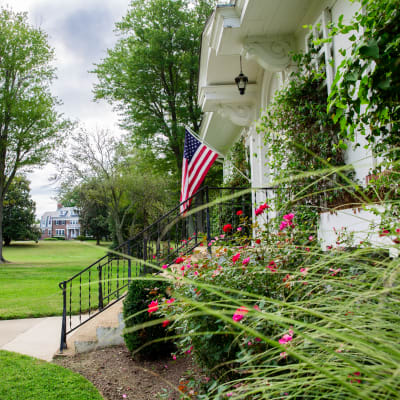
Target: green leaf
{"points": [[370, 50], [384, 85]]}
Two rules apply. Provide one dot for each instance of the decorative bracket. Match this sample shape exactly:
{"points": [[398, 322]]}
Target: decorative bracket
{"points": [[239, 114], [271, 53]]}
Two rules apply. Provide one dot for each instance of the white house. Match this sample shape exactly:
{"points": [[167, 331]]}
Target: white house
{"points": [[264, 33]]}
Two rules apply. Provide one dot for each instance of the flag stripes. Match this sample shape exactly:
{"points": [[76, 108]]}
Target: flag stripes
{"points": [[197, 160]]}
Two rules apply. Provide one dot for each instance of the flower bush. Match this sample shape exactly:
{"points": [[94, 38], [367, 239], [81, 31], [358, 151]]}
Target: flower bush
{"points": [[143, 336], [267, 317]]}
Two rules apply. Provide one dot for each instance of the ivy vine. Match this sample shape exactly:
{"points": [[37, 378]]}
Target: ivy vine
{"points": [[302, 141], [365, 95]]}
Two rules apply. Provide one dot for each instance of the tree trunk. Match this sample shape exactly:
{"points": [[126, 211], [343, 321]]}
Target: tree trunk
{"points": [[97, 240], [7, 241], [2, 260]]}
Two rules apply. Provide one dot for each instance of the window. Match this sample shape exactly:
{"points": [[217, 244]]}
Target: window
{"points": [[323, 52], [59, 232]]}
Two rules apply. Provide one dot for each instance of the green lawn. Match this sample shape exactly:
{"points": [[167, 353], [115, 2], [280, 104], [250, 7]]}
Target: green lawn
{"points": [[29, 284], [24, 377]]}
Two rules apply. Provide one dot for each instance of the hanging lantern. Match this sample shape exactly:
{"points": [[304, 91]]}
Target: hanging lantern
{"points": [[241, 80]]}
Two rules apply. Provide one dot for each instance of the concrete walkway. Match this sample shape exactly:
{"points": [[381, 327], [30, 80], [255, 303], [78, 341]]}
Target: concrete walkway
{"points": [[36, 337]]}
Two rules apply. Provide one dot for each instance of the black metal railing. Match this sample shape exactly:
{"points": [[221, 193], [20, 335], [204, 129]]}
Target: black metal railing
{"points": [[100, 285]]}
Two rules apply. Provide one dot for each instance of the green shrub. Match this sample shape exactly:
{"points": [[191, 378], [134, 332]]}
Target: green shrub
{"points": [[139, 328], [285, 319], [50, 238], [82, 238]]}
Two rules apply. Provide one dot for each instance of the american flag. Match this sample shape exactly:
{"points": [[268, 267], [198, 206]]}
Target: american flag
{"points": [[197, 160]]}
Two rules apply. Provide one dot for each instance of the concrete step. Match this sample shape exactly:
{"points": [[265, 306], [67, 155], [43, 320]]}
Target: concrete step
{"points": [[103, 330]]}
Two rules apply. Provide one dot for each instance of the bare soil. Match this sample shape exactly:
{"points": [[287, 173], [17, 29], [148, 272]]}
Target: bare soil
{"points": [[117, 376]]}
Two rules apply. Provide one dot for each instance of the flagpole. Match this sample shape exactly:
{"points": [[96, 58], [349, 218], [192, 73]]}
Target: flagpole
{"points": [[203, 141]]}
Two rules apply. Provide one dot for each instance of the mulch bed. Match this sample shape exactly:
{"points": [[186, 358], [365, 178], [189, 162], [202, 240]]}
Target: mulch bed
{"points": [[118, 377]]}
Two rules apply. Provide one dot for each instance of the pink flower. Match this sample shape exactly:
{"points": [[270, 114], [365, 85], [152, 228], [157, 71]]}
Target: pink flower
{"points": [[221, 236], [283, 354], [283, 225], [304, 271], [256, 307], [239, 228], [240, 313], [307, 249], [264, 206], [173, 356], [384, 232], [170, 301], [240, 212], [166, 323], [236, 257], [196, 273], [246, 261], [230, 394], [153, 306], [257, 339], [334, 271], [165, 266], [154, 257], [285, 339], [179, 260], [227, 228], [258, 211], [124, 396], [310, 238], [189, 350], [288, 217], [182, 268]]}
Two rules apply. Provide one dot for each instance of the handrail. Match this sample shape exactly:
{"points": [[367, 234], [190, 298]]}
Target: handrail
{"points": [[106, 280], [161, 218]]}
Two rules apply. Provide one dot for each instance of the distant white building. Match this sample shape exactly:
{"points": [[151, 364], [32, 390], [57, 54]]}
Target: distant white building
{"points": [[62, 223]]}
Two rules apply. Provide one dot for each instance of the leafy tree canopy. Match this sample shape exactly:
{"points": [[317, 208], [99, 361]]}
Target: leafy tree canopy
{"points": [[19, 213], [30, 126], [151, 74]]}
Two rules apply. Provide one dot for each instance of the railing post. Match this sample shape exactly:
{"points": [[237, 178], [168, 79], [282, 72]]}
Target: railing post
{"points": [[63, 344], [100, 287], [208, 221]]}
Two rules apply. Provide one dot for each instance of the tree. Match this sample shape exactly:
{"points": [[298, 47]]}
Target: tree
{"points": [[29, 123], [151, 74], [93, 213], [115, 177], [19, 212]]}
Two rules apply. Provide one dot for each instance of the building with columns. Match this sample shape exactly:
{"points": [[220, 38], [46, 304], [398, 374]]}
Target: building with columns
{"points": [[263, 34], [62, 223]]}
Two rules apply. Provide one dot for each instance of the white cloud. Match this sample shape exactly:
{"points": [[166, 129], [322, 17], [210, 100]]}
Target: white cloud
{"points": [[80, 32]]}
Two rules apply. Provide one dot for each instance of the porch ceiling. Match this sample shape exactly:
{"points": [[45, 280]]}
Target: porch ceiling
{"points": [[231, 26], [218, 132]]}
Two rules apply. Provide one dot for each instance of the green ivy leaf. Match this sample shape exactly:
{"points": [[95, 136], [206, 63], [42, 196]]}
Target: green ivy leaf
{"points": [[370, 50], [384, 85]]}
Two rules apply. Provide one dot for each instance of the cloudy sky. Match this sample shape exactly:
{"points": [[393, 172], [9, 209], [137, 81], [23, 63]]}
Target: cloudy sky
{"points": [[80, 31]]}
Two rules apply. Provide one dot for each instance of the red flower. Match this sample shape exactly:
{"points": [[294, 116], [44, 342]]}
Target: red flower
{"points": [[166, 323], [236, 257], [153, 306], [240, 212], [179, 260], [239, 313], [258, 241], [227, 228]]}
